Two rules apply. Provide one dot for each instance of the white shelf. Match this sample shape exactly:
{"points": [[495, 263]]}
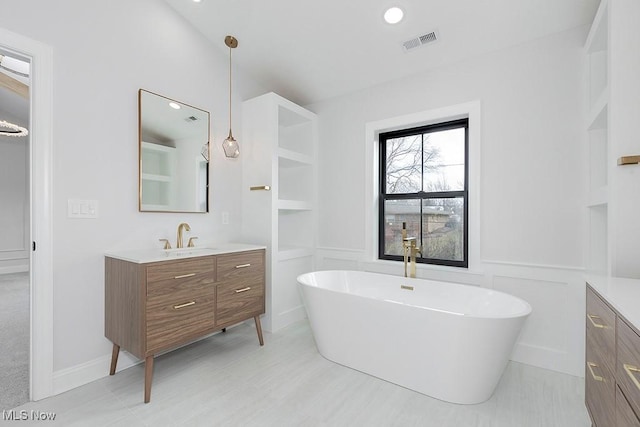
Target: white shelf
{"points": [[290, 159], [597, 38], [598, 196], [294, 205], [598, 114], [155, 177]]}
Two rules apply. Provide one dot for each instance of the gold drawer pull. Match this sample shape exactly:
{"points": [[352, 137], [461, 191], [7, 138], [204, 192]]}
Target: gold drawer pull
{"points": [[186, 304], [243, 265], [185, 275], [248, 288], [591, 365], [631, 370], [597, 325], [260, 187]]}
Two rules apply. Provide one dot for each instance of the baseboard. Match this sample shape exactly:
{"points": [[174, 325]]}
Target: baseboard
{"points": [[14, 269], [288, 317], [76, 376], [546, 358]]}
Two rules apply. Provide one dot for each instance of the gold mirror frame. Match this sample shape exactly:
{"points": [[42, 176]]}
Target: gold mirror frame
{"points": [[173, 153]]}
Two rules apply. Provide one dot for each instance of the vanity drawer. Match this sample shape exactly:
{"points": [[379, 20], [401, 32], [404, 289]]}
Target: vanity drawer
{"points": [[599, 387], [170, 277], [628, 364], [601, 324], [239, 300], [624, 414], [178, 316], [240, 266]]}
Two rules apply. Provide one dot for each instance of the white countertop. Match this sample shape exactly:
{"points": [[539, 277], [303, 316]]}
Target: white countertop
{"points": [[622, 294], [145, 256]]}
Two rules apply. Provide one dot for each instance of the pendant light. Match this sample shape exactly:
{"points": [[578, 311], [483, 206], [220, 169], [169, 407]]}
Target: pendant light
{"points": [[230, 145], [9, 129]]}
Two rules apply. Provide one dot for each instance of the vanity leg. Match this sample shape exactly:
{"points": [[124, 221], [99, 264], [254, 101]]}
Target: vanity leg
{"points": [[114, 358], [148, 376], [259, 329]]}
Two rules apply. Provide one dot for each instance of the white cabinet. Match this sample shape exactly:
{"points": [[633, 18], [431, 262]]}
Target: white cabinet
{"points": [[614, 110], [279, 140]]}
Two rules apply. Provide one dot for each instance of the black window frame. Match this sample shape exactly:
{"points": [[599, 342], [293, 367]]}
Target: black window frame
{"points": [[422, 195]]}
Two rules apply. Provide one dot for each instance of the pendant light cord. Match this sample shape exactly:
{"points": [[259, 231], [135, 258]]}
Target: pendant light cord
{"points": [[230, 90]]}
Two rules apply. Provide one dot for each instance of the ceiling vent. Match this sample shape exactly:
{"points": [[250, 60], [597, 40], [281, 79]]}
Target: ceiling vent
{"points": [[190, 119], [419, 41]]}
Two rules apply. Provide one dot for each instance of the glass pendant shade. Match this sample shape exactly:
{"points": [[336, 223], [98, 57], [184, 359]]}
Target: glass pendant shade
{"points": [[230, 146]]}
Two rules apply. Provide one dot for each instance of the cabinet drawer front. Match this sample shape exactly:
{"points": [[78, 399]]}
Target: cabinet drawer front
{"points": [[238, 301], [624, 414], [601, 324], [628, 364], [176, 318], [171, 277], [241, 266], [599, 387]]}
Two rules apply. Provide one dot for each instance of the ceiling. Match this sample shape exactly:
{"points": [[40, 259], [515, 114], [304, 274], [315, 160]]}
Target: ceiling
{"points": [[310, 51], [11, 103]]}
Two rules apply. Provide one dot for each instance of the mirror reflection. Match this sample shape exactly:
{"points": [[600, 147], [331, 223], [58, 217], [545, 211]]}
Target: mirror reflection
{"points": [[174, 155]]}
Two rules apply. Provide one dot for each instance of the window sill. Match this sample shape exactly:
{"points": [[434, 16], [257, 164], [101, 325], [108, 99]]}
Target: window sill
{"points": [[427, 271]]}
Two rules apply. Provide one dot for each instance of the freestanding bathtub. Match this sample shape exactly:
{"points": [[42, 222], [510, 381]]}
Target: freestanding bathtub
{"points": [[445, 340]]}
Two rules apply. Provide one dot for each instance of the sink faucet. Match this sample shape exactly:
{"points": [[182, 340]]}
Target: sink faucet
{"points": [[182, 226]]}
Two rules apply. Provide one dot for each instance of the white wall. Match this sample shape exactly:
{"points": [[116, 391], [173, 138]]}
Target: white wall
{"points": [[532, 186], [103, 53]]}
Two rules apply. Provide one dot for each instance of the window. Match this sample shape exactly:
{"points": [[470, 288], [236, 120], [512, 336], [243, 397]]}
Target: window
{"points": [[424, 184]]}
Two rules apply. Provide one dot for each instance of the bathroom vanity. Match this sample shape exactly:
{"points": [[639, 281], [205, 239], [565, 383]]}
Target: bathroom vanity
{"points": [[157, 300], [612, 371]]}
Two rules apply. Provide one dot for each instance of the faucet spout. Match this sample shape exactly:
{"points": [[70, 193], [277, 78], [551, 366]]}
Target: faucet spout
{"points": [[179, 240]]}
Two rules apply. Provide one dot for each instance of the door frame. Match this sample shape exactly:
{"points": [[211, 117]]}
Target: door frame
{"points": [[40, 165]]}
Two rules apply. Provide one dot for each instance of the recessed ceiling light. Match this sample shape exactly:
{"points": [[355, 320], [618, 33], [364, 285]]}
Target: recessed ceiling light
{"points": [[393, 15], [197, 1], [174, 105]]}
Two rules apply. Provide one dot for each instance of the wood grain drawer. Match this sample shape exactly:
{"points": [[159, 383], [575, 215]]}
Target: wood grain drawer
{"points": [[238, 301], [599, 387], [169, 277], [179, 317], [628, 364], [240, 266], [601, 324], [625, 417]]}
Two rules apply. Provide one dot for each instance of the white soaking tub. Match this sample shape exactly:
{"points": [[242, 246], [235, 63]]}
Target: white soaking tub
{"points": [[445, 340]]}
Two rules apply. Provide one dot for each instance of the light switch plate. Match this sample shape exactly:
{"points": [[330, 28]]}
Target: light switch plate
{"points": [[81, 208]]}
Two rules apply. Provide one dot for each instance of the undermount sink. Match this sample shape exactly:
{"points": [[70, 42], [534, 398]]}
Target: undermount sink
{"points": [[186, 252]]}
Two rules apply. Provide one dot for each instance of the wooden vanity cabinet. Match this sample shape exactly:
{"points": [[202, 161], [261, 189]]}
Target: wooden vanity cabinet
{"points": [[154, 307], [612, 377]]}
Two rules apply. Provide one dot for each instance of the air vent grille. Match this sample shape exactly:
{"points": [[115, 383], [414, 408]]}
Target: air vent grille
{"points": [[421, 40]]}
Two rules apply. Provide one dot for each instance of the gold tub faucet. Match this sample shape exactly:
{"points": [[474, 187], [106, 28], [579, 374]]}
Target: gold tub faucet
{"points": [[181, 227], [411, 251]]}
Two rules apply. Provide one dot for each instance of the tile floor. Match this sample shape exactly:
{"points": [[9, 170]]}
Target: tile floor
{"points": [[229, 380]]}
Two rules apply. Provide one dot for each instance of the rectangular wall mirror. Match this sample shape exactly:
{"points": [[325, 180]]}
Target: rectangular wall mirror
{"points": [[174, 155]]}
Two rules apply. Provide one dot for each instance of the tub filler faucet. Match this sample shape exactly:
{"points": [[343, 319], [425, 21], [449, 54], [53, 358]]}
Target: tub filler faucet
{"points": [[411, 251]]}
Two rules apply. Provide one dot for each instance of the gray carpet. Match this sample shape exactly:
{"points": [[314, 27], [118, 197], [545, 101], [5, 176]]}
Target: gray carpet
{"points": [[14, 340]]}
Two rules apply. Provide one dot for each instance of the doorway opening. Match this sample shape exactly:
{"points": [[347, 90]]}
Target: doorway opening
{"points": [[15, 220]]}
